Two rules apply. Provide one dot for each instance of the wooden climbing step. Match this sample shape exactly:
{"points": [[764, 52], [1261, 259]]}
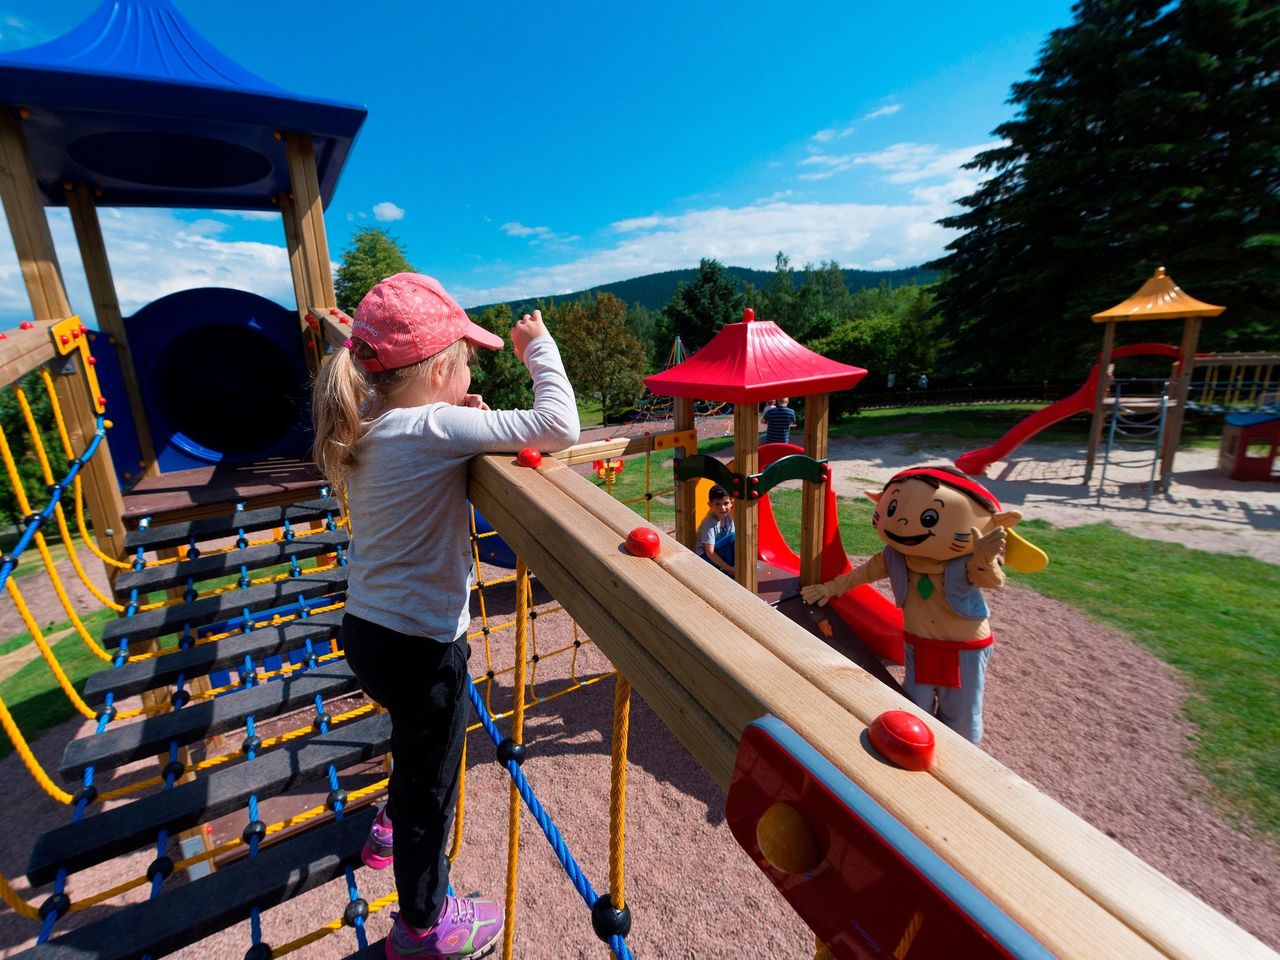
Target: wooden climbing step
{"points": [[223, 790], [185, 914], [150, 624], [212, 528], [152, 735], [209, 566], [278, 639]]}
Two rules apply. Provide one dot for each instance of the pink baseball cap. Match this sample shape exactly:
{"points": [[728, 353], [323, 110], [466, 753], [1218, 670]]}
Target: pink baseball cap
{"points": [[409, 317]]}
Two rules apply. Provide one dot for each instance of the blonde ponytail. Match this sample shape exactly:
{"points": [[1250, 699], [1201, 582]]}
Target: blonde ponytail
{"points": [[345, 394], [337, 404]]}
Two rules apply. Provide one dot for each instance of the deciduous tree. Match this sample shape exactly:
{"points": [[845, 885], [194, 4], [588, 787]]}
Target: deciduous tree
{"points": [[603, 358], [372, 256]]}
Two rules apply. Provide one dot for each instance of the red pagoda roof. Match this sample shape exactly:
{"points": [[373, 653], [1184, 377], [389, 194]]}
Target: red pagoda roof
{"points": [[752, 361]]}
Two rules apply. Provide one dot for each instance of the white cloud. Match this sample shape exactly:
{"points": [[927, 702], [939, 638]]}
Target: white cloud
{"points": [[888, 110], [515, 229], [263, 216], [902, 162], [855, 235], [387, 212], [832, 133], [543, 236], [776, 196], [152, 253]]}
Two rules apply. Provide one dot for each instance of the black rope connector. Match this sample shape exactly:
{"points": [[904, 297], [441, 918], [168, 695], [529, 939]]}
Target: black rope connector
{"points": [[490, 674], [180, 698], [259, 951], [334, 798], [9, 560], [485, 631], [321, 721], [508, 749], [251, 743], [54, 489], [87, 793], [28, 520], [161, 866], [535, 658], [175, 769], [533, 614], [256, 828], [58, 903], [356, 910], [577, 643], [108, 711], [608, 922]]}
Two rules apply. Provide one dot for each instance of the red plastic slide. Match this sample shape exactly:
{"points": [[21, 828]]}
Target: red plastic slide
{"points": [[975, 462], [875, 620]]}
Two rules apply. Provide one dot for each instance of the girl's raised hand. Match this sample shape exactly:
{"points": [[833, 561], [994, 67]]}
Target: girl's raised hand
{"points": [[527, 328], [474, 400]]}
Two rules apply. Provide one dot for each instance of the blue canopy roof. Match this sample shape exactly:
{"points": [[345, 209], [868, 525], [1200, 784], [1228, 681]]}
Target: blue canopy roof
{"points": [[137, 103]]}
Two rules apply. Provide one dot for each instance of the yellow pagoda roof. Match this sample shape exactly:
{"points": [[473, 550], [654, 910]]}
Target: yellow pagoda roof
{"points": [[1158, 299]]}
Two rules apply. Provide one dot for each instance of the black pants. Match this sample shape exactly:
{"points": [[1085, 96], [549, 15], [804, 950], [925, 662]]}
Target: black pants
{"points": [[423, 685]]}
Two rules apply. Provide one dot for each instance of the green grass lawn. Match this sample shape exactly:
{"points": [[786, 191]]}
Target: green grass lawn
{"points": [[32, 694]]}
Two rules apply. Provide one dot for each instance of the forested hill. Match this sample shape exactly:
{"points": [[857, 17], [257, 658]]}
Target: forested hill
{"points": [[656, 289]]}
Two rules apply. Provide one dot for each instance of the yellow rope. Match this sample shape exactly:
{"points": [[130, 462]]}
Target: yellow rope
{"points": [[79, 491], [20, 495], [909, 935], [29, 759], [38, 445], [618, 790], [461, 806], [517, 735], [63, 681], [19, 905], [331, 927]]}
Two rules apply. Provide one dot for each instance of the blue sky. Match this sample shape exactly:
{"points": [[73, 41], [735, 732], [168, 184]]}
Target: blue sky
{"points": [[521, 149]]}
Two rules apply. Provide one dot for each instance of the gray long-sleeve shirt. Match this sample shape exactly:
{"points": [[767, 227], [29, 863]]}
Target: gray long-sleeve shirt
{"points": [[410, 559]]}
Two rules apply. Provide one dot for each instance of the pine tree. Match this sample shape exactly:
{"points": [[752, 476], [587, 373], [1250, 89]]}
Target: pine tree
{"points": [[372, 256], [1146, 135], [701, 308]]}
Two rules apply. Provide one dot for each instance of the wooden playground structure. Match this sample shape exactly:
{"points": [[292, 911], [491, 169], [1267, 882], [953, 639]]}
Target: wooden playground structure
{"points": [[706, 654]]}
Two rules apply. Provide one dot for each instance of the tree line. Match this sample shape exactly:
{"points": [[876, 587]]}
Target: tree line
{"points": [[609, 346]]}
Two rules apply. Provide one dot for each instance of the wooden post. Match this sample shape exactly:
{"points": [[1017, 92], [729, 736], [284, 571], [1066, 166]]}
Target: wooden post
{"points": [[813, 498], [39, 262], [97, 270], [1099, 396], [1178, 399], [746, 458], [306, 236], [686, 530]]}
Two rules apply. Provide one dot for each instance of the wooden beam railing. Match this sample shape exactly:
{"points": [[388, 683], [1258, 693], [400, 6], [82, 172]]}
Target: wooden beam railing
{"points": [[709, 658]]}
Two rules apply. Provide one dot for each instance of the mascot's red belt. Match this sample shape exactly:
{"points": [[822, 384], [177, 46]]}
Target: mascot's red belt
{"points": [[938, 661]]}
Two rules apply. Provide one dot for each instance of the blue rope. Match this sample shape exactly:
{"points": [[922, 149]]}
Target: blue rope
{"points": [[55, 496], [579, 880]]}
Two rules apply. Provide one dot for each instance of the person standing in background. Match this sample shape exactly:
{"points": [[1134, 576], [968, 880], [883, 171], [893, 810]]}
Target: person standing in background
{"points": [[778, 419]]}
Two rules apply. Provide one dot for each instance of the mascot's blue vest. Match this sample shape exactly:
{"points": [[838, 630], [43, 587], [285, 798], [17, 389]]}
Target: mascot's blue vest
{"points": [[962, 596]]}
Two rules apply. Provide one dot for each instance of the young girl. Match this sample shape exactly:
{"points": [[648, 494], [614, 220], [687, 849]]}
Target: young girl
{"points": [[395, 427]]}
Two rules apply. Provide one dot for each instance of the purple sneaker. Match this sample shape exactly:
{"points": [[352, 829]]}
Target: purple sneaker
{"points": [[467, 930], [377, 849]]}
